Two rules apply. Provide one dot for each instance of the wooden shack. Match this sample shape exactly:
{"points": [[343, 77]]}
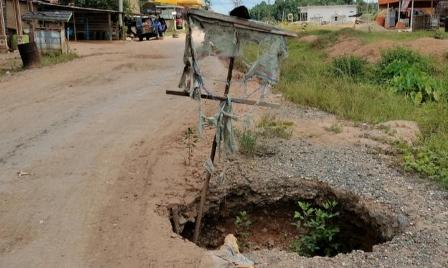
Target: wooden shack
{"points": [[413, 14], [87, 23], [49, 30]]}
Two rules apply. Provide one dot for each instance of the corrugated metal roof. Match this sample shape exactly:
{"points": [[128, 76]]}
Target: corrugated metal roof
{"points": [[76, 8], [62, 16]]}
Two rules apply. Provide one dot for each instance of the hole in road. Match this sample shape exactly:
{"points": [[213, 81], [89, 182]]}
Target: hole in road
{"points": [[324, 225]]}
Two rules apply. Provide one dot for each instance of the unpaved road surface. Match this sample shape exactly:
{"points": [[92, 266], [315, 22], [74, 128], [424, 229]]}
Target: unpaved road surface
{"points": [[73, 131]]}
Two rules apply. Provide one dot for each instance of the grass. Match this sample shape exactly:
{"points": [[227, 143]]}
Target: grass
{"points": [[46, 60], [336, 128], [56, 58], [330, 35], [307, 80], [271, 127]]}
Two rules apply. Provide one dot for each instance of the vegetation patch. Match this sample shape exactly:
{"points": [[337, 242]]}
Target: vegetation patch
{"points": [[404, 85], [56, 58]]}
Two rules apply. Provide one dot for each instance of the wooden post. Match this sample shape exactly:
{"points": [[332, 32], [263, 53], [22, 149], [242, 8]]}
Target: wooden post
{"points": [[386, 23], [32, 23], [109, 21], [197, 227], [3, 38], [74, 25], [411, 24], [18, 18]]}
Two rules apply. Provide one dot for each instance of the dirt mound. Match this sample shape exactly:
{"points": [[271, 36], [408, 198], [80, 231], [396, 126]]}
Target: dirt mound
{"points": [[429, 46], [372, 51], [352, 46]]}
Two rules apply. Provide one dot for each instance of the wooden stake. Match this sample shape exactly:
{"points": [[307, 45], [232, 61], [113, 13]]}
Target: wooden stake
{"points": [[197, 227]]}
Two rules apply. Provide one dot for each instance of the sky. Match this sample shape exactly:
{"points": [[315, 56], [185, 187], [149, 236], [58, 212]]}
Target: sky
{"points": [[224, 6]]}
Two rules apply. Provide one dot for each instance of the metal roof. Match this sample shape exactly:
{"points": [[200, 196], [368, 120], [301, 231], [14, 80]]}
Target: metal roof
{"points": [[76, 8], [61, 16]]}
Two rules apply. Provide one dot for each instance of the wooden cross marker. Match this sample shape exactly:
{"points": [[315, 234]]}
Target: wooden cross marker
{"points": [[238, 24]]}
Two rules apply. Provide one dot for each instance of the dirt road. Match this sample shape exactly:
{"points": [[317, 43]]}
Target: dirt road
{"points": [[86, 137]]}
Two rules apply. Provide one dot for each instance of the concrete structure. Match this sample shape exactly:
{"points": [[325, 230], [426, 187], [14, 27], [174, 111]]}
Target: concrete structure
{"points": [[328, 14]]}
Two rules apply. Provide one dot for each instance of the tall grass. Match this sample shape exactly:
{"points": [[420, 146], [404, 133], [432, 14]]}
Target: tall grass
{"points": [[306, 80]]}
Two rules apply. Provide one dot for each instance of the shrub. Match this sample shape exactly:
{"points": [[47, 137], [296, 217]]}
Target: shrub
{"points": [[417, 85], [248, 143], [320, 229], [394, 60], [349, 66]]}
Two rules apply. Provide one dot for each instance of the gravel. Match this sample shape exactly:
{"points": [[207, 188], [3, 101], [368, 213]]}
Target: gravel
{"points": [[419, 205]]}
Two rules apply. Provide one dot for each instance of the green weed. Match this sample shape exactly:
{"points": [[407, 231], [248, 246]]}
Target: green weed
{"points": [[248, 143], [243, 224], [56, 58], [319, 223]]}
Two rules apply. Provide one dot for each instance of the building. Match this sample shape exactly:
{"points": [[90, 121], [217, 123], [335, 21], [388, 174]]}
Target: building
{"points": [[49, 30], [84, 24], [414, 14], [331, 14]]}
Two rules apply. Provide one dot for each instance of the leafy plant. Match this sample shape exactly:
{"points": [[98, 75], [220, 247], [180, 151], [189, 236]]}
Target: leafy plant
{"points": [[242, 224], [349, 66], [270, 127], [320, 229], [394, 60], [417, 85]]}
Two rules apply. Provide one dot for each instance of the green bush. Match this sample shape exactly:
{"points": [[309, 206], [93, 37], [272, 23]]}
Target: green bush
{"points": [[417, 85], [349, 66], [394, 60], [319, 223], [407, 72]]}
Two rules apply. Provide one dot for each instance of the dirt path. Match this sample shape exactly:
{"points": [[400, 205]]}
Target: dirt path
{"points": [[76, 129]]}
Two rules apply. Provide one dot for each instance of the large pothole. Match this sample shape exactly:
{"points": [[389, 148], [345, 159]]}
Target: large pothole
{"points": [[265, 218]]}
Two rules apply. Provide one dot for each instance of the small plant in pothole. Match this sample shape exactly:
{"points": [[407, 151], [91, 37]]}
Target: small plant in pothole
{"points": [[243, 224], [271, 127], [319, 224]]}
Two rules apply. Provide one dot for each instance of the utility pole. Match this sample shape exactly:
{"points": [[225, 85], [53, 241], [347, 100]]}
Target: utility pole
{"points": [[412, 16], [3, 38], [120, 18]]}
